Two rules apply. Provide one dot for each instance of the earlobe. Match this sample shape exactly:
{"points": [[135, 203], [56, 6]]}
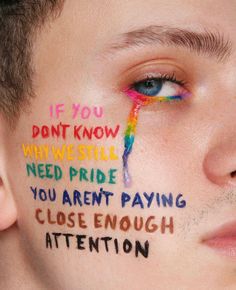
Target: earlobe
{"points": [[8, 212]]}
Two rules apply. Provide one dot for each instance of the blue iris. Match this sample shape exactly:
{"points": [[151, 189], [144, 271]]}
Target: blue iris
{"points": [[149, 87]]}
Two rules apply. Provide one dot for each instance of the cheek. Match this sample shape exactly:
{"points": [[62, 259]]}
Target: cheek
{"points": [[165, 155]]}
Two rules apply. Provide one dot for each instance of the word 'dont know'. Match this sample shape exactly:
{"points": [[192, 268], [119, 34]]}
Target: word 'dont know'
{"points": [[79, 131]]}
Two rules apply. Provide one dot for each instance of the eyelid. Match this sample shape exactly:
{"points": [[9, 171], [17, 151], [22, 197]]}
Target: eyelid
{"points": [[152, 69]]}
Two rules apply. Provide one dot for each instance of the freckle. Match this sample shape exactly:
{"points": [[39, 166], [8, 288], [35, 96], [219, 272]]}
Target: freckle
{"points": [[165, 140], [233, 174]]}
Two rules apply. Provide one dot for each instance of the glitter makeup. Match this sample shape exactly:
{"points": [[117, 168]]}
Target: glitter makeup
{"points": [[139, 100]]}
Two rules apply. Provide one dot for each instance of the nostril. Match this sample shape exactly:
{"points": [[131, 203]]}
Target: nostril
{"points": [[233, 174]]}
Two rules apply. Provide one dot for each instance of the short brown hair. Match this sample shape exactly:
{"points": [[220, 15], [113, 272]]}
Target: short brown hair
{"points": [[18, 21]]}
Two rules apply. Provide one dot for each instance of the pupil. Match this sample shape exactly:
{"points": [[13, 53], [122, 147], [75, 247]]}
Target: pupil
{"points": [[150, 83], [150, 87]]}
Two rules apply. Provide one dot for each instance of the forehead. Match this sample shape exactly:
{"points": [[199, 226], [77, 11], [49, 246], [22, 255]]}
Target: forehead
{"points": [[86, 26]]}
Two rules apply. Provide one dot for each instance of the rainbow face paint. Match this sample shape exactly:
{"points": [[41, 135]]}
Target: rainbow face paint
{"points": [[139, 100]]}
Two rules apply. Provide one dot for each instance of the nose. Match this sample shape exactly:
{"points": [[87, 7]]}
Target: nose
{"points": [[220, 161]]}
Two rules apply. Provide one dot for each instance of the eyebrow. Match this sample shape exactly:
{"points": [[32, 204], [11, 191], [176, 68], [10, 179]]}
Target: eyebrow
{"points": [[210, 43]]}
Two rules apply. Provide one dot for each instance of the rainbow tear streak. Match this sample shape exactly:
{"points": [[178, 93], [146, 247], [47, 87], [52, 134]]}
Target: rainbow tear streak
{"points": [[129, 141], [138, 101]]}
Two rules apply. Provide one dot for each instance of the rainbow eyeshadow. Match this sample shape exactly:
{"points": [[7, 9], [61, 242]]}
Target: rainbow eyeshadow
{"points": [[139, 100]]}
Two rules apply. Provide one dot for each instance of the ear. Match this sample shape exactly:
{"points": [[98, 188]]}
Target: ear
{"points": [[8, 212]]}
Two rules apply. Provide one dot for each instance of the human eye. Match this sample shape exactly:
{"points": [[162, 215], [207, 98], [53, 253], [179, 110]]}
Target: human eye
{"points": [[144, 88], [161, 88]]}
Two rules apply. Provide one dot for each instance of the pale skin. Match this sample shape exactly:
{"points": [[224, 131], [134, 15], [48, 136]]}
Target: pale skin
{"points": [[186, 147]]}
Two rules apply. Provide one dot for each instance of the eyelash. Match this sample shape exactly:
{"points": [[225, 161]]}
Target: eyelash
{"points": [[164, 77]]}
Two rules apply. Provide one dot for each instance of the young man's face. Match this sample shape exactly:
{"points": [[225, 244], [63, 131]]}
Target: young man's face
{"points": [[120, 56]]}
